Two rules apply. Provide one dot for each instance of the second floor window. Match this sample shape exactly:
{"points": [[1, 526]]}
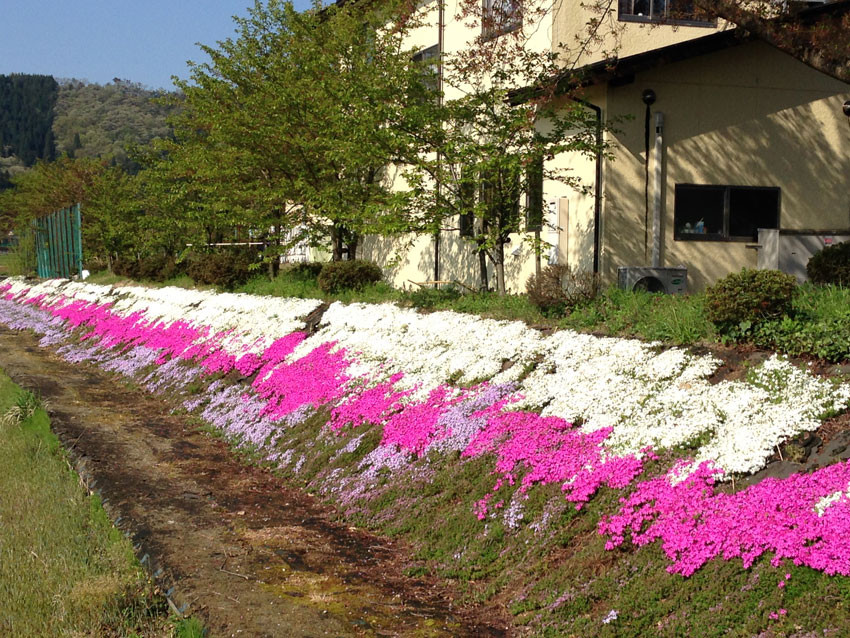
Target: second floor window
{"points": [[500, 17], [665, 11], [429, 61]]}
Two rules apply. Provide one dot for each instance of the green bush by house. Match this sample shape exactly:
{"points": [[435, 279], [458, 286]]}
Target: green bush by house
{"points": [[743, 299], [830, 265]]}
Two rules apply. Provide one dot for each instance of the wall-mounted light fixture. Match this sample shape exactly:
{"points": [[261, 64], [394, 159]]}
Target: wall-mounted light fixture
{"points": [[846, 108]]}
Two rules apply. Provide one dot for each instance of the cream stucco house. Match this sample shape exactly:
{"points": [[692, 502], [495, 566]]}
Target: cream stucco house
{"points": [[715, 136]]}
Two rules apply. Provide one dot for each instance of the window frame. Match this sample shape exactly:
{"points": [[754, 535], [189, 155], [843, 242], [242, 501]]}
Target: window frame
{"points": [[534, 206], [650, 19], [490, 30], [724, 235], [429, 61]]}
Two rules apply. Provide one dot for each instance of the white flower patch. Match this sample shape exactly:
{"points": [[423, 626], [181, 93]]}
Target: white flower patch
{"points": [[780, 401], [429, 348], [665, 400], [255, 322], [831, 499]]}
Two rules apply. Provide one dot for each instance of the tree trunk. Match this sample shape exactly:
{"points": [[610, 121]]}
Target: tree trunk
{"points": [[484, 284], [336, 243], [352, 244], [499, 263]]}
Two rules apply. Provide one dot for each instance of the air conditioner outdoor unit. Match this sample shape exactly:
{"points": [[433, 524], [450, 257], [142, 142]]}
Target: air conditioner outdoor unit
{"points": [[673, 281]]}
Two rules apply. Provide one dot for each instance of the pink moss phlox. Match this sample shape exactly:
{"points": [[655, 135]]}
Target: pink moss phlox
{"points": [[696, 523], [412, 428], [37, 301], [316, 379], [551, 450], [369, 405], [178, 339], [248, 364], [262, 364]]}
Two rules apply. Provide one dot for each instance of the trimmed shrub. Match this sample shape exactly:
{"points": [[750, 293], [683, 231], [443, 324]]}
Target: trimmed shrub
{"points": [[558, 289], [157, 268], [151, 268], [225, 269], [830, 265], [302, 270], [743, 299], [348, 275]]}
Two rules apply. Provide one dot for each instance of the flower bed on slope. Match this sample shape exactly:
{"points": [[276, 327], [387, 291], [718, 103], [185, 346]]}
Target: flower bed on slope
{"points": [[381, 396]]}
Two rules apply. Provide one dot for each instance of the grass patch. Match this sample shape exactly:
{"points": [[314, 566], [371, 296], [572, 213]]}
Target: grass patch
{"points": [[64, 568], [819, 324], [677, 319], [8, 263]]}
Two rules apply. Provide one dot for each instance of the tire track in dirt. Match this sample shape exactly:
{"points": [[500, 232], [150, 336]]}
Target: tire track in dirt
{"points": [[231, 544]]}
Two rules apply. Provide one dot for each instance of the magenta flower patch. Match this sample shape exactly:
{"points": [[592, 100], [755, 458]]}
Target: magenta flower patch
{"points": [[695, 523], [550, 450]]}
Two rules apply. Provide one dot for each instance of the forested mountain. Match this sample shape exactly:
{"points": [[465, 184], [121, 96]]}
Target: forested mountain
{"points": [[94, 120], [26, 119], [42, 118]]}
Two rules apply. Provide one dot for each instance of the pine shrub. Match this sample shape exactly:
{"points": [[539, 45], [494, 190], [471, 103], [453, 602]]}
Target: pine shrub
{"points": [[348, 275], [830, 265]]}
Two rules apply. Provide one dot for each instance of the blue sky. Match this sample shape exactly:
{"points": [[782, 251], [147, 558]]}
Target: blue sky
{"points": [[145, 41]]}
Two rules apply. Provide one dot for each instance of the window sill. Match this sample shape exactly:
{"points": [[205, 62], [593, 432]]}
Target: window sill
{"points": [[711, 238], [705, 24]]}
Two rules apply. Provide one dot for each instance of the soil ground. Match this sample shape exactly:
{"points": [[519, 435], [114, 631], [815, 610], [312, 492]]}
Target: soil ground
{"points": [[231, 543]]}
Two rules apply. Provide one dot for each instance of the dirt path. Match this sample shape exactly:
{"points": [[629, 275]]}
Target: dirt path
{"points": [[232, 543]]}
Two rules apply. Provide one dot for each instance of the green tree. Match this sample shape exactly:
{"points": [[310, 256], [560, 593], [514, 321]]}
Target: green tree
{"points": [[108, 196], [292, 125]]}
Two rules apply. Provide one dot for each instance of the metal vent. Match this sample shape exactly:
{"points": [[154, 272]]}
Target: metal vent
{"points": [[672, 281]]}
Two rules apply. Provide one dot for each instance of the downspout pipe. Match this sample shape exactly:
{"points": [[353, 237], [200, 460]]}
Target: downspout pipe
{"points": [[658, 159], [597, 190], [440, 24]]}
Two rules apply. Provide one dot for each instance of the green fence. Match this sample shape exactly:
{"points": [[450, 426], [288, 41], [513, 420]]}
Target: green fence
{"points": [[59, 244]]}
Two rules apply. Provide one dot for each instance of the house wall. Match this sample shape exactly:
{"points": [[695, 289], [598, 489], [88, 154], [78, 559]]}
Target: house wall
{"points": [[408, 258], [611, 37], [568, 226], [748, 115]]}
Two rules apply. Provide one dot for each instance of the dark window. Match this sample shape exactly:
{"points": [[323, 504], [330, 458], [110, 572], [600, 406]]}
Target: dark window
{"points": [[534, 196], [500, 17], [429, 60], [466, 190], [724, 213], [465, 221], [499, 192], [668, 11]]}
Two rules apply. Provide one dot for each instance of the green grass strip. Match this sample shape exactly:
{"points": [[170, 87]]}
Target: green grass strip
{"points": [[64, 568]]}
